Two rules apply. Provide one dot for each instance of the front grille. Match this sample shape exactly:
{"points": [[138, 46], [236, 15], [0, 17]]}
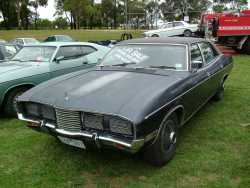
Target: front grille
{"points": [[68, 120], [93, 121]]}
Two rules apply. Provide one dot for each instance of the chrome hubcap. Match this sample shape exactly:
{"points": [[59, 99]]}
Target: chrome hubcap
{"points": [[172, 137]]}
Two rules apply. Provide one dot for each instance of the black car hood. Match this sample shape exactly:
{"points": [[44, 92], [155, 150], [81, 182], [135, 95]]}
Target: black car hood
{"points": [[128, 94]]}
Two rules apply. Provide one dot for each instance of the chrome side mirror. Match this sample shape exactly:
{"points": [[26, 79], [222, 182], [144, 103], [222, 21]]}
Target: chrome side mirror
{"points": [[58, 59]]}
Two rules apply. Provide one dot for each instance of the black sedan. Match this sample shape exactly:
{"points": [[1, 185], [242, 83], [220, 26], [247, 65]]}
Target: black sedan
{"points": [[7, 51], [143, 91]]}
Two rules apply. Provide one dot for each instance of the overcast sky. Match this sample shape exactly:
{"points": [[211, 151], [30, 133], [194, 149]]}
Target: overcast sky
{"points": [[49, 11]]}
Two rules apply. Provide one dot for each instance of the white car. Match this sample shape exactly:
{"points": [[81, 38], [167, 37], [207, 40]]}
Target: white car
{"points": [[173, 29]]}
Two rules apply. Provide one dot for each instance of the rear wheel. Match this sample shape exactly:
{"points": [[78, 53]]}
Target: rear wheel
{"points": [[155, 35], [220, 92], [187, 33], [10, 102], [246, 47], [163, 149]]}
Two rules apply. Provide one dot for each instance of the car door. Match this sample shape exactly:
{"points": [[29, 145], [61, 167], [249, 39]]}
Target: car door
{"points": [[196, 94], [211, 65], [68, 59], [178, 28]]}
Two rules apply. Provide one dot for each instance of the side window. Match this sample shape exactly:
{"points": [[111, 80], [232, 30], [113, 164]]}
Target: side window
{"points": [[177, 24], [20, 41], [195, 53], [69, 52], [50, 39], [86, 50], [208, 52]]}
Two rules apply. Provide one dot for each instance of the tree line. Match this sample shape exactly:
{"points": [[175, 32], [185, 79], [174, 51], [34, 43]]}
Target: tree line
{"points": [[76, 14]]}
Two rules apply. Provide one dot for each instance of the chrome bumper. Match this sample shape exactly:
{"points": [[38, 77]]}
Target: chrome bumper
{"points": [[99, 140]]}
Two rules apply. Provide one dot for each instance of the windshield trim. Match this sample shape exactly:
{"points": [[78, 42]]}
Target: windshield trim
{"points": [[160, 44]]}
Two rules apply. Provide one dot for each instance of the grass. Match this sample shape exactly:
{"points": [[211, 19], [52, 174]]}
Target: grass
{"points": [[214, 150], [79, 35]]}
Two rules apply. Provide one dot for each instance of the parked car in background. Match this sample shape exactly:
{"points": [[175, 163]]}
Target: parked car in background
{"points": [[37, 63], [59, 38], [2, 41], [143, 91], [171, 29], [21, 42], [7, 51]]}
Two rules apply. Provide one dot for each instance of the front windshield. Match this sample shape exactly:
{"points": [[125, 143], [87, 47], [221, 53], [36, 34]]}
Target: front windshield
{"points": [[162, 56], [35, 53], [9, 51]]}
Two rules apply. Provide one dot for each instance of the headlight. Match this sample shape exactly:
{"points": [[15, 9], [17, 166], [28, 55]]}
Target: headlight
{"points": [[48, 113], [93, 121], [32, 109], [121, 126]]}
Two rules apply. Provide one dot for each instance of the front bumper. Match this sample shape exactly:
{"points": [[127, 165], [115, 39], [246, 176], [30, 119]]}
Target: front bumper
{"points": [[99, 140]]}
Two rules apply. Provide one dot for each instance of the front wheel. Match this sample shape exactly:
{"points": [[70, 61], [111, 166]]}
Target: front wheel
{"points": [[163, 149]]}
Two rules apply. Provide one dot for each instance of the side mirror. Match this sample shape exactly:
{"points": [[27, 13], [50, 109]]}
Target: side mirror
{"points": [[58, 59], [99, 60], [196, 65]]}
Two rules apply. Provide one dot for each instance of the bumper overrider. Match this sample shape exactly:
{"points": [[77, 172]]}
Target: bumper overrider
{"points": [[98, 139]]}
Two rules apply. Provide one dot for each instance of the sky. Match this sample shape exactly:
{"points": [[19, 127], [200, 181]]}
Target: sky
{"points": [[49, 11]]}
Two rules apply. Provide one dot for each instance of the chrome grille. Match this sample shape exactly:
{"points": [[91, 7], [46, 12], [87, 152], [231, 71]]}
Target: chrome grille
{"points": [[68, 120], [93, 121]]}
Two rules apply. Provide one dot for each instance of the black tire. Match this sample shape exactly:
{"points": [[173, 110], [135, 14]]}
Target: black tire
{"points": [[155, 35], [187, 33], [246, 47], [10, 101], [220, 92], [163, 149]]}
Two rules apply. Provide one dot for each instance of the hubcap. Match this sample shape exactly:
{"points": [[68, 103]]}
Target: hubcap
{"points": [[172, 137]]}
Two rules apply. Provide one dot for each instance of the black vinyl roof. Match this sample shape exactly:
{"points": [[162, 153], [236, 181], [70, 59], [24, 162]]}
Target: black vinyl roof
{"points": [[171, 40]]}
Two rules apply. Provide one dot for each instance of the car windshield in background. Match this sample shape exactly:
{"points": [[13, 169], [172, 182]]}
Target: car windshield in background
{"points": [[35, 53], [9, 51], [31, 41], [148, 56]]}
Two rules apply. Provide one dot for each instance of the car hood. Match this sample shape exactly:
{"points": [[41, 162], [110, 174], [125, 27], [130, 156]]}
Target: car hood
{"points": [[124, 93], [15, 70]]}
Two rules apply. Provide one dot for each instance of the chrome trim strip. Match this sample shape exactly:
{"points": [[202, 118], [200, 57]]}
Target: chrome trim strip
{"points": [[21, 117]]}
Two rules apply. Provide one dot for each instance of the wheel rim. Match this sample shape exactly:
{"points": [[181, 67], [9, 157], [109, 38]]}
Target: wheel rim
{"points": [[170, 137], [187, 34]]}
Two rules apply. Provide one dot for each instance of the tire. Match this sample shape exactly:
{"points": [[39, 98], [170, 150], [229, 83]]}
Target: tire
{"points": [[155, 35], [246, 47], [10, 102], [164, 147], [187, 33], [220, 92]]}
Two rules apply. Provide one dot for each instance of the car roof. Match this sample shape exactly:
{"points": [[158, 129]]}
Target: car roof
{"points": [[58, 44], [165, 40]]}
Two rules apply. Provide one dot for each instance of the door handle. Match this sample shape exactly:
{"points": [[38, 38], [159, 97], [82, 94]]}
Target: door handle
{"points": [[85, 63]]}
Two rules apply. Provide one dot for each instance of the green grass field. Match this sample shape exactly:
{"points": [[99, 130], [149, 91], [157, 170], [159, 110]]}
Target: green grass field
{"points": [[79, 35], [214, 150]]}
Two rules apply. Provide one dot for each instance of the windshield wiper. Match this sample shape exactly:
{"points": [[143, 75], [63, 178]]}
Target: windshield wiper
{"points": [[162, 67], [124, 64]]}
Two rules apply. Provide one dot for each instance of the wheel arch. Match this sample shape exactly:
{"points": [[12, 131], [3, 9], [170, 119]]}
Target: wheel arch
{"points": [[9, 90], [179, 111]]}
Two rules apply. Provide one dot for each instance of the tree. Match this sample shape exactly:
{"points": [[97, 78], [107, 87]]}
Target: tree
{"points": [[61, 23], [36, 4]]}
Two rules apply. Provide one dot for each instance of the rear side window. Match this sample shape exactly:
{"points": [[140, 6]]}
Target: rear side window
{"points": [[69, 52], [208, 52], [195, 53], [87, 50], [176, 24]]}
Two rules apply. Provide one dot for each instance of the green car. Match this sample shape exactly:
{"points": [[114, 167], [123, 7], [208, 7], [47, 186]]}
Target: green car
{"points": [[37, 63]]}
